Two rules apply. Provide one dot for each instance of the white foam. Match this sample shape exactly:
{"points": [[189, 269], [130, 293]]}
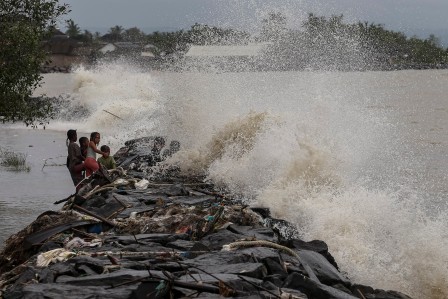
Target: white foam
{"points": [[323, 150]]}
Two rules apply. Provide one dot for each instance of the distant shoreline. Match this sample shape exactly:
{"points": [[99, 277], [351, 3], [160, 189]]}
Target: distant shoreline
{"points": [[159, 67]]}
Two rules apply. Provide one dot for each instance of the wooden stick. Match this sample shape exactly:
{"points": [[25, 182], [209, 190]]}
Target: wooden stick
{"points": [[93, 215], [113, 114], [62, 200], [116, 213], [361, 294], [84, 233]]}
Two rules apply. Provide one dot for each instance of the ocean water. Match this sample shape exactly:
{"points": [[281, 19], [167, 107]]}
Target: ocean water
{"points": [[357, 159]]}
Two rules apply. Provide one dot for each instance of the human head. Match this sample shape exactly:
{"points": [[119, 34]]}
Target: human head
{"points": [[105, 149], [95, 137], [83, 141], [71, 135]]}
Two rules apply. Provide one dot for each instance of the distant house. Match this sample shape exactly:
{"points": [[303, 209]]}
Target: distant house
{"points": [[107, 48], [233, 58], [63, 52], [120, 48], [250, 50], [149, 51]]}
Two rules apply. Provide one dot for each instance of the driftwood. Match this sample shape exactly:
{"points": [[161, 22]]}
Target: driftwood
{"points": [[93, 215], [45, 162], [64, 200]]}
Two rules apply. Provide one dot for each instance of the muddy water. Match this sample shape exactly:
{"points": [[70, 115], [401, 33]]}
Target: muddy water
{"points": [[24, 195]]}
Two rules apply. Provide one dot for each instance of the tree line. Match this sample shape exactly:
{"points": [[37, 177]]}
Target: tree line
{"points": [[321, 42]]}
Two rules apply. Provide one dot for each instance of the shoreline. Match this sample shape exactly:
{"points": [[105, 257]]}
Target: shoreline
{"points": [[123, 236], [161, 66]]}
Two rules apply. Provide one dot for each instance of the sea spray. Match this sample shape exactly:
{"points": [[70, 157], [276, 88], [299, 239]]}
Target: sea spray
{"points": [[332, 154], [376, 238]]}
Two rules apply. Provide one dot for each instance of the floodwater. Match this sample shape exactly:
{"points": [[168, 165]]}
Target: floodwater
{"points": [[24, 195]]}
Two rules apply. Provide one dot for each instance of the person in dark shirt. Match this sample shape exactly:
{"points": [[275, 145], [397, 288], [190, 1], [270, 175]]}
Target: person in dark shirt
{"points": [[75, 161], [84, 144]]}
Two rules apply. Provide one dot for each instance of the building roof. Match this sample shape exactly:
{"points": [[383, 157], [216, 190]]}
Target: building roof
{"points": [[221, 51], [127, 45]]}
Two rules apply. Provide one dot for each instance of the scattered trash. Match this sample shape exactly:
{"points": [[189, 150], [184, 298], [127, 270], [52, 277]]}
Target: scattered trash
{"points": [[53, 256], [142, 184], [79, 243]]}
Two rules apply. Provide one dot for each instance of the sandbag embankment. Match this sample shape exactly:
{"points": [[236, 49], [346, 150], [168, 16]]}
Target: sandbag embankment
{"points": [[131, 234]]}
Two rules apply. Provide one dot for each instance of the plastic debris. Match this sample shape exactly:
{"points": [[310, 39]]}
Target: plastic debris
{"points": [[79, 243], [142, 184], [53, 256]]}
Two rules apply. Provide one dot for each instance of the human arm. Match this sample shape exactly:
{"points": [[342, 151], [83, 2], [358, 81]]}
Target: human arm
{"points": [[92, 145]]}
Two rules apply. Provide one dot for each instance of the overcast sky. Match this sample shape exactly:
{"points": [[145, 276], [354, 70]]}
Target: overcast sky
{"points": [[420, 17]]}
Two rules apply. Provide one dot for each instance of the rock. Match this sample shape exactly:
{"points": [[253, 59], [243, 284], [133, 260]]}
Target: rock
{"points": [[46, 276], [96, 265], [192, 201], [64, 268], [156, 238], [275, 279], [264, 212], [217, 240], [218, 258], [312, 289], [67, 291], [255, 270], [259, 233], [230, 280], [325, 272], [274, 267], [315, 245], [381, 294], [108, 279], [183, 245]]}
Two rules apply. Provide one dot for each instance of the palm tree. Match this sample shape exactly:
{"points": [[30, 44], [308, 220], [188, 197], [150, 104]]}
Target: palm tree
{"points": [[73, 29], [115, 33]]}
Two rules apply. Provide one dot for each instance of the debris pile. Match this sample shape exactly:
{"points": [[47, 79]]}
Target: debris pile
{"points": [[175, 237]]}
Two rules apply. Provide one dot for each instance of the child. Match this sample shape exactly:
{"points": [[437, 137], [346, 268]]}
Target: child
{"points": [[84, 144], [90, 162], [107, 160], [74, 159]]}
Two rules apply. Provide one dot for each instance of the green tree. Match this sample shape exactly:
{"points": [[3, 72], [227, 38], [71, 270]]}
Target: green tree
{"points": [[73, 29], [115, 33], [133, 34], [87, 37], [24, 25]]}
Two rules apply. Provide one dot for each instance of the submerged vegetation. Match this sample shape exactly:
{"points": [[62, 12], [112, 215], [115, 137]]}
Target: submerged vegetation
{"points": [[13, 160]]}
